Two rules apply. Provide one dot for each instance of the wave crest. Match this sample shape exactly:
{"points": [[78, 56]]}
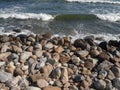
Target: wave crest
{"points": [[41, 16]]}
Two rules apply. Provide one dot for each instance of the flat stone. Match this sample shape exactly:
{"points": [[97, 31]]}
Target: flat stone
{"points": [[42, 83], [4, 76], [51, 88]]}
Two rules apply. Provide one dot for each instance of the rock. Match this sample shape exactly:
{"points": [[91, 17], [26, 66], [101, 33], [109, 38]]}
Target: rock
{"points": [[100, 84], [47, 35], [3, 56], [4, 38], [4, 76], [64, 58], [13, 82], [49, 45], [91, 37], [25, 67], [24, 56], [64, 74], [116, 71], [116, 53], [103, 56], [79, 78], [23, 83], [80, 43], [110, 75], [32, 88], [47, 69], [85, 84], [94, 53], [85, 71], [51, 61], [116, 83], [103, 45], [58, 83], [56, 73], [59, 49], [82, 53], [35, 77], [38, 53], [70, 72], [2, 63], [13, 57], [105, 65], [102, 74], [56, 57], [16, 49], [113, 43], [30, 49], [11, 67], [88, 64], [38, 46], [18, 71], [31, 38], [75, 60], [47, 55], [4, 48], [42, 83], [15, 88], [73, 87], [51, 88]]}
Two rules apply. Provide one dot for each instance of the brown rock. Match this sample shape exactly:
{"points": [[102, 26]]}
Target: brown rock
{"points": [[38, 53], [94, 53], [42, 83], [59, 49], [88, 64], [4, 48], [64, 59], [56, 57], [16, 48], [18, 71], [51, 88], [64, 74], [35, 77], [82, 53], [3, 56], [110, 75], [47, 35], [116, 71], [104, 56], [24, 56]]}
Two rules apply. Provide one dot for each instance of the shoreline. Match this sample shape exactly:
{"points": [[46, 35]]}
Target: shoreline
{"points": [[43, 62]]}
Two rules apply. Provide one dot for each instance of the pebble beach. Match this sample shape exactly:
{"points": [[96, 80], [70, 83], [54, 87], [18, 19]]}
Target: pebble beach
{"points": [[43, 62]]}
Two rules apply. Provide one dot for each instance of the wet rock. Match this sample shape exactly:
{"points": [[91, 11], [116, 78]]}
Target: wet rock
{"points": [[80, 43], [59, 49], [42, 83], [24, 56], [75, 60], [38, 53], [47, 35], [32, 88], [116, 71], [103, 45], [82, 53], [105, 65], [113, 43], [100, 84], [23, 83], [4, 76], [51, 88]]}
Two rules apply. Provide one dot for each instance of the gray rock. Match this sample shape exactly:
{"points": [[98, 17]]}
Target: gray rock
{"points": [[100, 84], [42, 83], [116, 71], [32, 88], [116, 83], [58, 83], [38, 46], [102, 74], [79, 78], [4, 76], [56, 73]]}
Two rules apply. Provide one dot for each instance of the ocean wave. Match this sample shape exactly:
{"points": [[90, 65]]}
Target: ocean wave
{"points": [[109, 17], [41, 16], [95, 1]]}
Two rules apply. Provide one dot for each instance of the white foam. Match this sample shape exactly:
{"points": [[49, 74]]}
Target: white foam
{"points": [[95, 1], [109, 17], [41, 16]]}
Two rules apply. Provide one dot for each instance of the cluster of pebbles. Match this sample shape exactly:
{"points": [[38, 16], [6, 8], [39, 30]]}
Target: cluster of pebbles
{"points": [[39, 62]]}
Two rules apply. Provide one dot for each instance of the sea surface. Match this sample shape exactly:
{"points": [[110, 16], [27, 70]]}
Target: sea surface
{"points": [[61, 17]]}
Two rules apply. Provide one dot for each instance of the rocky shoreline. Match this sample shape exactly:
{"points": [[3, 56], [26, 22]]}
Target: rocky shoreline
{"points": [[39, 62]]}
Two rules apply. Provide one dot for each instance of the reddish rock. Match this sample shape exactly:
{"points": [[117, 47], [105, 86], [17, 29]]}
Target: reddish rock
{"points": [[47, 35], [64, 59], [104, 56], [59, 49]]}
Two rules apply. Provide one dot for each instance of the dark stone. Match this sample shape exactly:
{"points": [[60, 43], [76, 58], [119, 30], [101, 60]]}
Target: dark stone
{"points": [[116, 83], [113, 43], [103, 45], [79, 78], [17, 30]]}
